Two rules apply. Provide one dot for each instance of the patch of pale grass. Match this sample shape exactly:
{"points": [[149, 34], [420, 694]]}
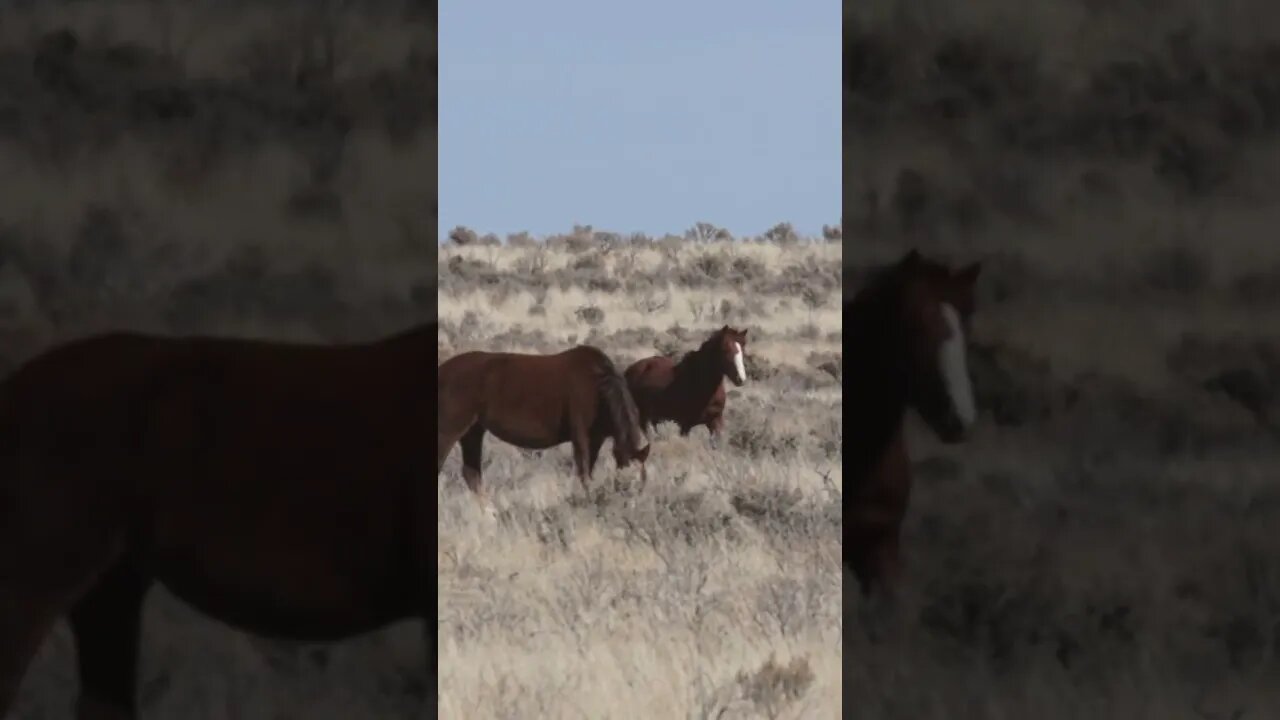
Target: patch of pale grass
{"points": [[497, 314], [664, 603]]}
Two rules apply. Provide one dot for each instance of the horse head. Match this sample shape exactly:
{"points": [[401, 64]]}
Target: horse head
{"points": [[623, 456], [936, 303], [731, 345]]}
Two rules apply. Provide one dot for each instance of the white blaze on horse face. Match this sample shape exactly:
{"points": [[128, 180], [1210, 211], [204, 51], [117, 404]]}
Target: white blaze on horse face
{"points": [[737, 363], [955, 369]]}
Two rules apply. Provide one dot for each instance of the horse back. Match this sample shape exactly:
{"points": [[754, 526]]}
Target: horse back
{"points": [[534, 378], [76, 393], [302, 411], [651, 373]]}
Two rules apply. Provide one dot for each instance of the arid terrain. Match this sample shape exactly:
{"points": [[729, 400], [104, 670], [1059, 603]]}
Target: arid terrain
{"points": [[1106, 546], [715, 592], [257, 169]]}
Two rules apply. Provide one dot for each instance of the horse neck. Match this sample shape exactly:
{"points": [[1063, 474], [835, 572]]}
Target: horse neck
{"points": [[698, 371], [878, 400]]}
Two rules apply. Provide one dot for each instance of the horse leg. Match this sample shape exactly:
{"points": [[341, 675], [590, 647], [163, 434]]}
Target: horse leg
{"points": [[444, 444], [878, 567], [450, 426], [429, 629], [859, 561], [106, 624], [714, 423], [583, 459], [26, 617], [875, 558], [472, 443], [47, 569], [593, 453]]}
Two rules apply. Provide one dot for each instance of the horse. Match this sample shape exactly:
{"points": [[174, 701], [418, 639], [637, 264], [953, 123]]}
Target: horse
{"points": [[536, 402], [690, 392], [276, 487], [908, 325]]}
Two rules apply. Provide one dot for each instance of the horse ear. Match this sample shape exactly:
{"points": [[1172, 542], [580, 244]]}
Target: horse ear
{"points": [[969, 273]]}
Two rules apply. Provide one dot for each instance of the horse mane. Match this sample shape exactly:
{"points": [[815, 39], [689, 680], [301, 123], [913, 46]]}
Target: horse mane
{"points": [[879, 288], [696, 355], [711, 340]]}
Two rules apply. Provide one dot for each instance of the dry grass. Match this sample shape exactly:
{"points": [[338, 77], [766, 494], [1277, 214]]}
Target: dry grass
{"points": [[1105, 546], [712, 593]]}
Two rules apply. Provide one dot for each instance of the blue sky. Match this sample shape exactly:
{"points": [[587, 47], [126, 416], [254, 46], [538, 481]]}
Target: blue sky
{"points": [[639, 116]]}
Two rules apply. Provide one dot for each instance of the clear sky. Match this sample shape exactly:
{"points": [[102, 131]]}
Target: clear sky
{"points": [[639, 116]]}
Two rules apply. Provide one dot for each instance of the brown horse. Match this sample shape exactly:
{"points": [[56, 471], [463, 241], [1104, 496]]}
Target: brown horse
{"points": [[907, 328], [277, 487], [690, 392], [536, 402]]}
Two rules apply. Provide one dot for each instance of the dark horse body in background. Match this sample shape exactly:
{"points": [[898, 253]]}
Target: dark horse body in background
{"points": [[278, 487], [536, 402], [690, 392], [907, 330]]}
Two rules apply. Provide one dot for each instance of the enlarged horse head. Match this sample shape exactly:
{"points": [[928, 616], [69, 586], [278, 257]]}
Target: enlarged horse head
{"points": [[936, 304], [732, 344]]}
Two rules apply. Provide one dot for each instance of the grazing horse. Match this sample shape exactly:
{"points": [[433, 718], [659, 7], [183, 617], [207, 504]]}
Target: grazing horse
{"points": [[907, 326], [536, 402], [276, 487], [690, 392]]}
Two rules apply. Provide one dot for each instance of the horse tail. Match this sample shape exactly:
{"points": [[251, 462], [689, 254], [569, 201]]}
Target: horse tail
{"points": [[628, 436]]}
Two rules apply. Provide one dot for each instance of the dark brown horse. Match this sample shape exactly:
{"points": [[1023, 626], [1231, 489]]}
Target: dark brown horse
{"points": [[536, 402], [690, 392], [277, 487], [906, 328]]}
